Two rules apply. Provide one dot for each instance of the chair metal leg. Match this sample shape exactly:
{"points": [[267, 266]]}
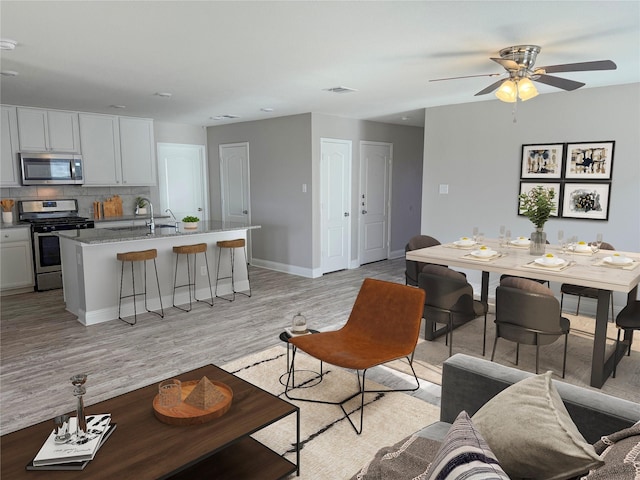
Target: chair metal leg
{"points": [[564, 360], [578, 307], [493, 352], [361, 391], [517, 352], [537, 357], [484, 336]]}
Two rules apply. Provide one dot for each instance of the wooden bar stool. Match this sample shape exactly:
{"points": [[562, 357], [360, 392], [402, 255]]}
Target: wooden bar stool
{"points": [[140, 256], [231, 245], [191, 250]]}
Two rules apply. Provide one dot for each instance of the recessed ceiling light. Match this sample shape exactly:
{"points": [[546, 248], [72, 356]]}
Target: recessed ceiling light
{"points": [[9, 73], [340, 90], [7, 44], [267, 109], [163, 94], [405, 118], [118, 106]]}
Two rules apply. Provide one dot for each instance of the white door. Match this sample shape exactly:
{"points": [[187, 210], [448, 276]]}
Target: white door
{"points": [[335, 204], [375, 173], [182, 175], [234, 185]]}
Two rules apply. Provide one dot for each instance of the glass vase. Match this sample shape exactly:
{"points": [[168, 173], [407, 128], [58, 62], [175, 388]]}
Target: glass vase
{"points": [[538, 242]]}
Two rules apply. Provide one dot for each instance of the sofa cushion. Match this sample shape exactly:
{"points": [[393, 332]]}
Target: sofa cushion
{"points": [[409, 458], [529, 429], [621, 454], [464, 454]]}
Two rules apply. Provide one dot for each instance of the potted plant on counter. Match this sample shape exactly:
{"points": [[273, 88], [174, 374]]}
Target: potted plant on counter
{"points": [[190, 221], [141, 206], [538, 205]]}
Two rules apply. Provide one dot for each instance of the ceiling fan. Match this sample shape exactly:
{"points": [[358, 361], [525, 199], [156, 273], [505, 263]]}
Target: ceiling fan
{"points": [[519, 62]]}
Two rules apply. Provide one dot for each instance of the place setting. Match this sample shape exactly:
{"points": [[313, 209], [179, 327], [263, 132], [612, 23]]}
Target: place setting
{"points": [[484, 254], [549, 261], [617, 260]]}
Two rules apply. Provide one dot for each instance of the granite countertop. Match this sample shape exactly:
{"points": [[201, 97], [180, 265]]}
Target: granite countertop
{"points": [[124, 218], [94, 236]]}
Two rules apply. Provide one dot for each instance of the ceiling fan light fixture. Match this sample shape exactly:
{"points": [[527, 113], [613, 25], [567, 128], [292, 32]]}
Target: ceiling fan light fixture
{"points": [[526, 89], [508, 91]]}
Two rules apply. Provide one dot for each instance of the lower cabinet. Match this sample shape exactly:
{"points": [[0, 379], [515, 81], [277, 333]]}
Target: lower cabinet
{"points": [[16, 260]]}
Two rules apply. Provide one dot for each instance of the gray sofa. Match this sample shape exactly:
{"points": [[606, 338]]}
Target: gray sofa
{"points": [[468, 383]]}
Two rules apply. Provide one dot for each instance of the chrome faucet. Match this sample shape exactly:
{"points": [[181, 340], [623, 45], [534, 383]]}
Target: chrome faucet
{"points": [[151, 224], [168, 210]]}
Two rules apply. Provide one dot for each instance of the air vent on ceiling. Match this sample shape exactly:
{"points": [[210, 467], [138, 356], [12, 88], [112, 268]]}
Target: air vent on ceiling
{"points": [[225, 117], [341, 90]]}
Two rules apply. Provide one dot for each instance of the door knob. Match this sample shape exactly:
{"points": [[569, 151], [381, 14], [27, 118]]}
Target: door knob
{"points": [[199, 209], [364, 211], [245, 211], [346, 214]]}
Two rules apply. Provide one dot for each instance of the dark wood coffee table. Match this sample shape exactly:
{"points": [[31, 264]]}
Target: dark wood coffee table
{"points": [[142, 447]]}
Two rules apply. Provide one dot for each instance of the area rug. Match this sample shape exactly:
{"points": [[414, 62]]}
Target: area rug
{"points": [[430, 355], [330, 448]]}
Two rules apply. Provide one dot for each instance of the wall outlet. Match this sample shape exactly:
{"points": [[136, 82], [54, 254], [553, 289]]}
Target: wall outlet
{"points": [[203, 270]]}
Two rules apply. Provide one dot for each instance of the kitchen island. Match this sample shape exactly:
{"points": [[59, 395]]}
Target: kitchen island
{"points": [[91, 272]]}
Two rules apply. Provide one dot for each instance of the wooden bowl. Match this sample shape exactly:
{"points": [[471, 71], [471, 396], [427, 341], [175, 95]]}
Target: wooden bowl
{"points": [[185, 414]]}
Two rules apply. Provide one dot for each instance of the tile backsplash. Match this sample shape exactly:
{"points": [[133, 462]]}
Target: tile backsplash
{"points": [[85, 195]]}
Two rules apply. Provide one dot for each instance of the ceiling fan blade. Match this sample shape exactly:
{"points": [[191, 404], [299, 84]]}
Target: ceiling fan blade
{"points": [[558, 82], [466, 76], [506, 63], [580, 67], [490, 88]]}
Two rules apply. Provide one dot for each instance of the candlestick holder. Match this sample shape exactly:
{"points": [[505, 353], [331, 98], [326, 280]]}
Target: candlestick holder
{"points": [[79, 390]]}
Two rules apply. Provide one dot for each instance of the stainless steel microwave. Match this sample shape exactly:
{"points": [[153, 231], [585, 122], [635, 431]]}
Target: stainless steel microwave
{"points": [[51, 169]]}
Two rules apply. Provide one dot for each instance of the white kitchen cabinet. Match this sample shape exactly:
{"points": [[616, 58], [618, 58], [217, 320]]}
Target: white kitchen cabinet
{"points": [[9, 172], [100, 139], [16, 259], [48, 130], [137, 148]]}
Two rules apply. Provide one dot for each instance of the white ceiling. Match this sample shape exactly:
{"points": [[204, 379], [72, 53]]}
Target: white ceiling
{"points": [[237, 57]]}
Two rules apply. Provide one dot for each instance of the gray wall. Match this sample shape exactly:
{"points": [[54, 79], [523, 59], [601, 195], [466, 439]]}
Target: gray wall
{"points": [[476, 148], [284, 154]]}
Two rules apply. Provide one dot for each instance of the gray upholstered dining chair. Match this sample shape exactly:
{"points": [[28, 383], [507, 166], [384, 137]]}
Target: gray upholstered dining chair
{"points": [[413, 268], [449, 300], [528, 312], [627, 319], [587, 292]]}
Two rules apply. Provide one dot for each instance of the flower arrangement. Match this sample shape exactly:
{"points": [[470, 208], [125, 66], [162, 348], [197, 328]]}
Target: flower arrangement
{"points": [[141, 202], [537, 205]]}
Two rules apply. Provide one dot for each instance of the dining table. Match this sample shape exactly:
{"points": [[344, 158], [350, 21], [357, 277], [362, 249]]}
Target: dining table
{"points": [[586, 268]]}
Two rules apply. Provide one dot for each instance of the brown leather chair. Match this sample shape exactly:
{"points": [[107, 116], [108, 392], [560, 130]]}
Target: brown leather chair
{"points": [[528, 312], [587, 292], [627, 319], [449, 300], [384, 325], [413, 268]]}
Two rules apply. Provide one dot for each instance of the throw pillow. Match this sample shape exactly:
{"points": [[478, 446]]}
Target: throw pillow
{"points": [[409, 458], [464, 454], [529, 429], [621, 454]]}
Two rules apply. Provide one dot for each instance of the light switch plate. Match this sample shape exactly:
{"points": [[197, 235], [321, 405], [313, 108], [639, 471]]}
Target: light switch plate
{"points": [[444, 188]]}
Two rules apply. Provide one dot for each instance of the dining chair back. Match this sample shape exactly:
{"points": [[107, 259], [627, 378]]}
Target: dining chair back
{"points": [[449, 300], [586, 292], [413, 268], [528, 312], [628, 320]]}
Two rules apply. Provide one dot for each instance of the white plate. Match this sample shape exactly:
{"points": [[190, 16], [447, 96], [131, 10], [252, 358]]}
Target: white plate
{"points": [[484, 253], [621, 261], [464, 243], [521, 242], [550, 262], [583, 248]]}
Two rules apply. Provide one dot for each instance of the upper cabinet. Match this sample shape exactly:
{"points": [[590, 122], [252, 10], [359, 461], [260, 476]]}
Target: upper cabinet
{"points": [[9, 173], [137, 150], [117, 151], [48, 130]]}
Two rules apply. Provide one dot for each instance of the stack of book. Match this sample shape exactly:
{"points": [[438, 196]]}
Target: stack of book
{"points": [[76, 452]]}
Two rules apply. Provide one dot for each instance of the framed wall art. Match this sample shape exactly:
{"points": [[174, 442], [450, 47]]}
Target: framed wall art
{"points": [[526, 187], [541, 161], [586, 200], [589, 161]]}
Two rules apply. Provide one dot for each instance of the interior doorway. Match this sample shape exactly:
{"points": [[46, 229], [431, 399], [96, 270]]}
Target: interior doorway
{"points": [[335, 204], [182, 176]]}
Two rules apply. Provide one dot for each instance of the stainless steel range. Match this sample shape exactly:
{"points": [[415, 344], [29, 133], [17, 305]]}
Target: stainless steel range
{"points": [[46, 217]]}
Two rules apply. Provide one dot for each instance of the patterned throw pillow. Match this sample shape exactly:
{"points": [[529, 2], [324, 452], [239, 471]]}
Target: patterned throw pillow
{"points": [[464, 454], [529, 429], [621, 454]]}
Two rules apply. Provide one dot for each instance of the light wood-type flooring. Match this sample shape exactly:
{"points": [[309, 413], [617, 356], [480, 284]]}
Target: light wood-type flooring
{"points": [[43, 345]]}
